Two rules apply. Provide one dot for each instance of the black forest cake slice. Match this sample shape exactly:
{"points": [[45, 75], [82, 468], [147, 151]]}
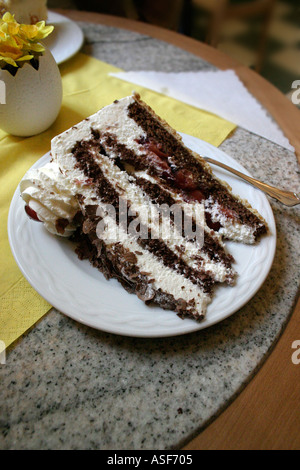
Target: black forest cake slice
{"points": [[142, 207]]}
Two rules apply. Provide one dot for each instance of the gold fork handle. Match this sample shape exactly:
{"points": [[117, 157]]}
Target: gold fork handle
{"points": [[288, 198]]}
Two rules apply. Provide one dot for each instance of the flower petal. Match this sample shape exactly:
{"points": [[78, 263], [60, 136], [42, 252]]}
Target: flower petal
{"points": [[19, 42]]}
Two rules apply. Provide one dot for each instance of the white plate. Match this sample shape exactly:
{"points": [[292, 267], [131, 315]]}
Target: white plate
{"points": [[80, 291], [66, 39]]}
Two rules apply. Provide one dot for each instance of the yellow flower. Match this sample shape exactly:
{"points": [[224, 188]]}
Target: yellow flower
{"points": [[36, 31], [20, 42], [10, 28], [8, 18]]}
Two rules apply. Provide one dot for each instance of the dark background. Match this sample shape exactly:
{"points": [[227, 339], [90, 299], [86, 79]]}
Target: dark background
{"points": [[278, 61]]}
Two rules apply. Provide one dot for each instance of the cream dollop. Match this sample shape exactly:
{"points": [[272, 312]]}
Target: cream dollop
{"points": [[45, 191]]}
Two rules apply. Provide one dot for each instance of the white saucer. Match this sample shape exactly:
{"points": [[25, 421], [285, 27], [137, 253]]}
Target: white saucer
{"points": [[66, 39]]}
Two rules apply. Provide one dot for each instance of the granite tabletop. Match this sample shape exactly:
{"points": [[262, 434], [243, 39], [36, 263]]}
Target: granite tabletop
{"points": [[67, 386]]}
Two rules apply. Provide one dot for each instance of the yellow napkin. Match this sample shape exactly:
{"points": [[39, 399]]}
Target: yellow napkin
{"points": [[87, 87]]}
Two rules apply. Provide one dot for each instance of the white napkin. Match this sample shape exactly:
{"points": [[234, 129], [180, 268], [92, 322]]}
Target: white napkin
{"points": [[219, 92]]}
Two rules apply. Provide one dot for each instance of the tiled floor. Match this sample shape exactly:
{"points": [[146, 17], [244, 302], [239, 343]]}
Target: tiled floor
{"points": [[281, 64]]}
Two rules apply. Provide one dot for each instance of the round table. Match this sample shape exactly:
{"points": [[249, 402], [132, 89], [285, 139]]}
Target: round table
{"points": [[232, 386]]}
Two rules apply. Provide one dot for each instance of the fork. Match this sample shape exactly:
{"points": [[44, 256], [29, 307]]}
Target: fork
{"points": [[288, 198]]}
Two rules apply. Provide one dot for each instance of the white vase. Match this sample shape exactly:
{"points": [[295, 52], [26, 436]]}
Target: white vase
{"points": [[32, 97]]}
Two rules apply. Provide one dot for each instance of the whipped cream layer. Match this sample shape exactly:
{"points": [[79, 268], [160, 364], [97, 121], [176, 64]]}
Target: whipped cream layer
{"points": [[51, 191], [49, 195], [141, 204]]}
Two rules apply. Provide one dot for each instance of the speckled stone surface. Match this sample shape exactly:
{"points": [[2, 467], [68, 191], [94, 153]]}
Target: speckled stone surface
{"points": [[67, 386]]}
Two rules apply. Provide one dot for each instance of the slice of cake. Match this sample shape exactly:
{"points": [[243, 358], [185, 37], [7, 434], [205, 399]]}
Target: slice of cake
{"points": [[25, 11], [142, 207]]}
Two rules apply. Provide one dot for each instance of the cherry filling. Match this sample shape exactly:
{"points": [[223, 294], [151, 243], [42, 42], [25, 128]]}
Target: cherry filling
{"points": [[182, 179], [31, 213], [229, 213], [195, 195], [213, 225], [156, 148], [157, 156]]}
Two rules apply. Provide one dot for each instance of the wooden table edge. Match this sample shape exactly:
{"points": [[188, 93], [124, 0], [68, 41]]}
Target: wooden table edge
{"points": [[265, 414]]}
